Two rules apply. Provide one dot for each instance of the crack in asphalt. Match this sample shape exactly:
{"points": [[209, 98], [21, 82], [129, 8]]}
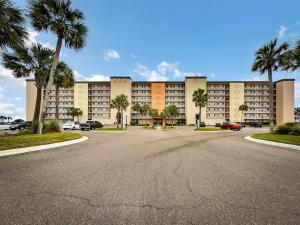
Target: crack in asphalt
{"points": [[195, 206]]}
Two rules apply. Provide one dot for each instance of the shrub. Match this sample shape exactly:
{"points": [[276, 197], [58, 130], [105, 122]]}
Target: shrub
{"points": [[51, 126], [288, 128], [23, 132]]}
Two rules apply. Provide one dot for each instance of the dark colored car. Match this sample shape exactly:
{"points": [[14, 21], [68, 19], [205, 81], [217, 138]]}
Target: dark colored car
{"points": [[94, 124], [256, 124], [218, 125], [202, 124], [18, 126], [231, 126], [85, 127]]}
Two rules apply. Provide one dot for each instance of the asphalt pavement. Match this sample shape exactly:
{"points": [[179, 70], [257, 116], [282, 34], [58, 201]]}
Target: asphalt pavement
{"points": [[144, 176]]}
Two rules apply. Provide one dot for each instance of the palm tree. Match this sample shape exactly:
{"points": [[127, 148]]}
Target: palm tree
{"points": [[72, 111], [270, 58], [25, 61], [146, 109], [120, 102], [66, 23], [292, 58], [172, 112], [63, 78], [2, 118], [297, 114], [137, 108], [200, 99], [9, 118], [12, 30], [243, 108]]}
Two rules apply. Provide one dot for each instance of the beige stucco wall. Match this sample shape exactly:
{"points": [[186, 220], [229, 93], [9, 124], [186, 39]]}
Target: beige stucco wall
{"points": [[192, 84], [285, 102], [81, 100], [236, 91], [120, 86], [30, 99]]}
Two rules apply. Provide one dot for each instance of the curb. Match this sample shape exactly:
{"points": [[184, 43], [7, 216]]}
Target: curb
{"points": [[41, 147], [272, 143], [210, 131], [107, 131]]}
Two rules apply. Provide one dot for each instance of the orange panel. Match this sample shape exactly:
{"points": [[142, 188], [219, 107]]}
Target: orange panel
{"points": [[158, 98]]}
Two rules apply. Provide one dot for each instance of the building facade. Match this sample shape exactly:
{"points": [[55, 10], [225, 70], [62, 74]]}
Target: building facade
{"points": [[224, 99]]}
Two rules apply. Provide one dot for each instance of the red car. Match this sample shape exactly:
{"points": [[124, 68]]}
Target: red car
{"points": [[231, 126]]}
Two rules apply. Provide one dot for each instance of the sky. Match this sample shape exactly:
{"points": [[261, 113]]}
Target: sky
{"points": [[167, 40]]}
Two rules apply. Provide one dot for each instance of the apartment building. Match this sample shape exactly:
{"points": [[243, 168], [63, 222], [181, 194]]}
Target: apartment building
{"points": [[224, 99]]}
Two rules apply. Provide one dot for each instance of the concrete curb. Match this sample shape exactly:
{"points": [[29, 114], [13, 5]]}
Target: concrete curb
{"points": [[107, 131], [272, 143], [210, 131], [41, 147]]}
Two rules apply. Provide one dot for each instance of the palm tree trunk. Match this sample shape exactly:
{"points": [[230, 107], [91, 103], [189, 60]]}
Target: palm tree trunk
{"points": [[199, 118], [50, 82], [37, 104], [56, 102], [271, 99], [172, 121], [122, 125], [118, 118]]}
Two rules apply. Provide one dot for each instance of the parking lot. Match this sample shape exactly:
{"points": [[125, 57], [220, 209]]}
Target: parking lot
{"points": [[142, 176]]}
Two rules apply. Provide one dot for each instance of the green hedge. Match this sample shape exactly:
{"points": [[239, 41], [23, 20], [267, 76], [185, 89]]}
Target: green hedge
{"points": [[288, 128]]}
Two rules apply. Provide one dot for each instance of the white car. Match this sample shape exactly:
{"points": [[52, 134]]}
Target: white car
{"points": [[70, 125], [5, 126]]}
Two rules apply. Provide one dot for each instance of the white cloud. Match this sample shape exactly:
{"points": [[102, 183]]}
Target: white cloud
{"points": [[8, 80], [150, 75], [18, 98], [256, 78], [33, 38], [96, 77], [282, 31], [163, 71], [110, 54], [9, 109]]}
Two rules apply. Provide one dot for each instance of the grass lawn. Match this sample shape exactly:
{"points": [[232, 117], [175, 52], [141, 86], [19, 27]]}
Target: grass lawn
{"points": [[208, 129], [149, 127], [110, 129], [283, 138], [29, 140]]}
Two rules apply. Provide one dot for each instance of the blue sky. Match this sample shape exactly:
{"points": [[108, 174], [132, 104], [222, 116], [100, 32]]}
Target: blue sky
{"points": [[166, 40]]}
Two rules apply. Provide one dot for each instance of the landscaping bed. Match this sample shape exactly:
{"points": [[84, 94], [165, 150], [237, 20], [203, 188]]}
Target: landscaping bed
{"points": [[208, 129], [110, 129], [30, 140], [281, 138]]}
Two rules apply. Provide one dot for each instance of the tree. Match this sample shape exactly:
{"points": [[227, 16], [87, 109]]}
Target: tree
{"points": [[63, 78], [153, 112], [297, 113], [137, 108], [292, 58], [120, 102], [9, 118], [12, 29], [172, 112], [270, 58], [146, 109], [72, 111], [66, 23], [2, 118], [25, 61], [243, 108], [200, 99]]}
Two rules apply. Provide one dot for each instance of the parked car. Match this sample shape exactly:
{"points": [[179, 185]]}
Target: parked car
{"points": [[85, 127], [218, 125], [70, 125], [256, 124], [242, 124], [94, 124], [4, 126], [202, 124], [231, 126], [18, 126]]}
